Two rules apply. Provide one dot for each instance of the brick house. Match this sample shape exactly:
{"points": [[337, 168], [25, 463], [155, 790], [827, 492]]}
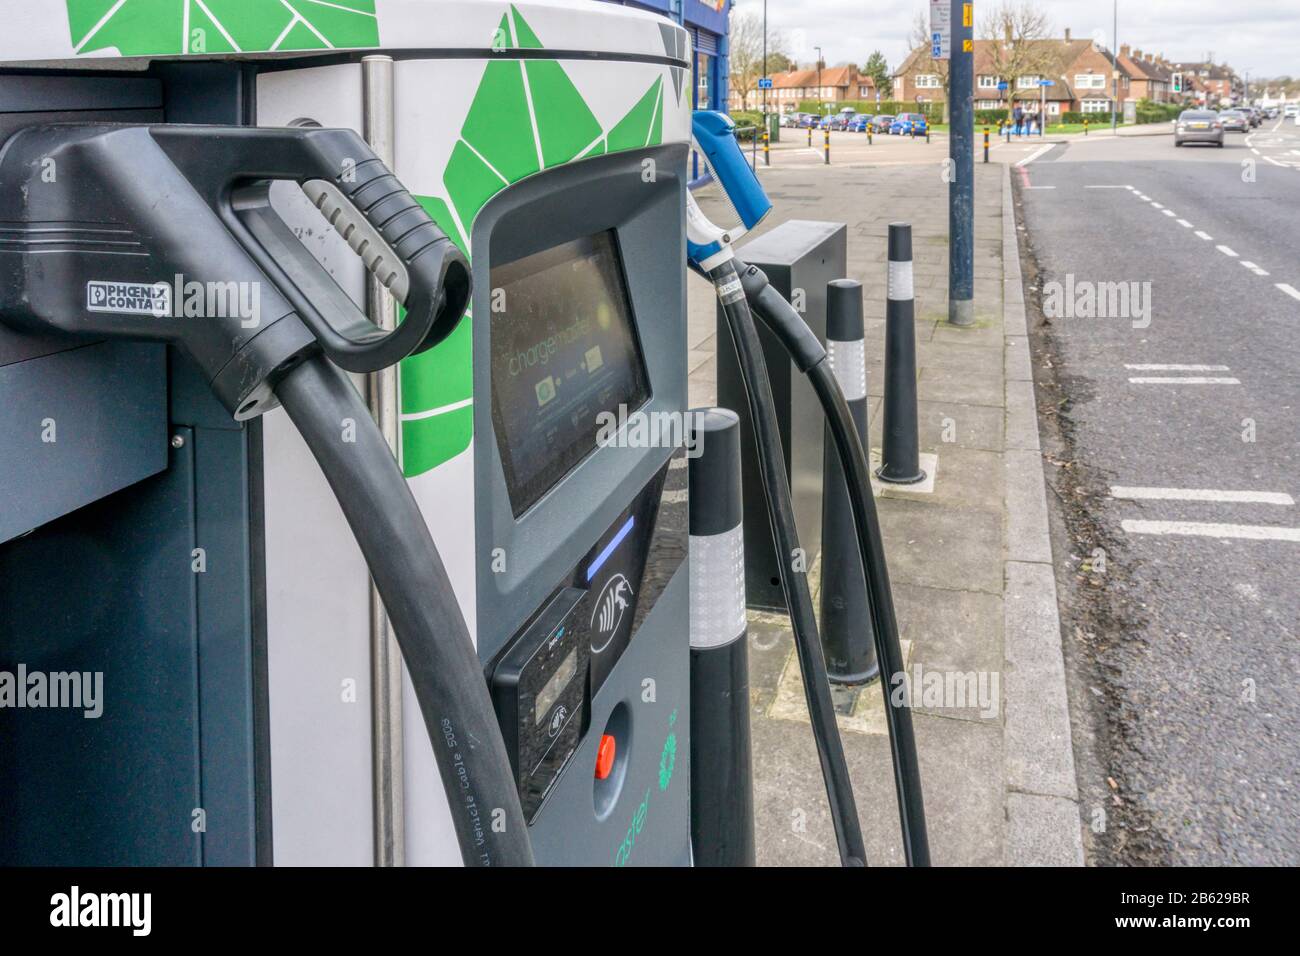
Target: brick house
{"points": [[1152, 76], [1208, 84], [834, 85], [1079, 73]]}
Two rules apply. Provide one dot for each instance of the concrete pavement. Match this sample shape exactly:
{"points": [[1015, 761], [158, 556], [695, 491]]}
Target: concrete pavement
{"points": [[973, 584]]}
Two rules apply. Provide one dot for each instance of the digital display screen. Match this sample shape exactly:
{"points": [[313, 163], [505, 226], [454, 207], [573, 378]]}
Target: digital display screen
{"points": [[549, 694], [563, 351]]}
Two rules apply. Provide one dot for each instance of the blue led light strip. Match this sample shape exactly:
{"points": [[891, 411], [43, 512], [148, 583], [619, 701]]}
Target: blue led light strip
{"points": [[609, 548]]}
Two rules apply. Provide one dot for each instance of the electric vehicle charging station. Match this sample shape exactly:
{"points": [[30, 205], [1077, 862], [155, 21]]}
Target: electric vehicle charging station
{"points": [[541, 149], [562, 177]]}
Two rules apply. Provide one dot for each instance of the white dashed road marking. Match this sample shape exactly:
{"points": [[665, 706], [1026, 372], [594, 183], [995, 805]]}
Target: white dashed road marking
{"points": [[1184, 223], [1201, 494], [1226, 251], [1289, 290], [1207, 529], [1204, 235], [1182, 380], [1253, 268], [1177, 368]]}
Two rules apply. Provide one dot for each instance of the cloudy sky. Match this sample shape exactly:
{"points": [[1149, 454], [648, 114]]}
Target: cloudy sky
{"points": [[1259, 36]]}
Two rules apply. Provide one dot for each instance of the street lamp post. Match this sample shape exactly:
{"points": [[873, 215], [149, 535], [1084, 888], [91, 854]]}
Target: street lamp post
{"points": [[765, 63], [819, 79], [1114, 69]]}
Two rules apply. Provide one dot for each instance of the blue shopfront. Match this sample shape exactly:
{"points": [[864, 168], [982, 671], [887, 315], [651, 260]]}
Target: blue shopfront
{"points": [[706, 21]]}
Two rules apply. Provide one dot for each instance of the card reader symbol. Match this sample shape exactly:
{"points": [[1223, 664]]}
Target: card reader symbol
{"points": [[611, 608], [557, 720]]}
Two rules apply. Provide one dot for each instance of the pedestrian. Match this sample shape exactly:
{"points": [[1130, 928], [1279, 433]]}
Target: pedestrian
{"points": [[1019, 115]]}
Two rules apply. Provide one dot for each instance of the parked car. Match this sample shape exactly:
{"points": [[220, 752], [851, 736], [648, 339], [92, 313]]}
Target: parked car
{"points": [[881, 124], [1291, 109], [844, 119], [1198, 126], [1235, 121], [861, 122], [908, 124]]}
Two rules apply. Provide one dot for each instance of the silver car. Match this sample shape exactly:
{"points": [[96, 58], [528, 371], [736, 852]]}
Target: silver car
{"points": [[1199, 126]]}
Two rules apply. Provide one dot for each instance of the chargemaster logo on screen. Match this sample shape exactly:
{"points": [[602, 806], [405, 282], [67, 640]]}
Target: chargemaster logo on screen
{"points": [[129, 298]]}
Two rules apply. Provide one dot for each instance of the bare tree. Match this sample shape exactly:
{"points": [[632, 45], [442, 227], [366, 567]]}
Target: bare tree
{"points": [[925, 63], [745, 53], [1017, 32]]}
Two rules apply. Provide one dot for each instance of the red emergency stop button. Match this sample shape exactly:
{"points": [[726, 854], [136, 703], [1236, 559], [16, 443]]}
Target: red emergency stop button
{"points": [[605, 757]]}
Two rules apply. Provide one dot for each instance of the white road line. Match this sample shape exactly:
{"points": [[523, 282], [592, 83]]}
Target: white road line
{"points": [[1131, 189], [1033, 156], [1253, 268], [1184, 223], [1204, 235], [1201, 494], [1107, 187], [1289, 290], [1226, 251], [1040, 187], [1170, 213], [1178, 368], [1206, 529], [1142, 197], [1156, 205], [1182, 380]]}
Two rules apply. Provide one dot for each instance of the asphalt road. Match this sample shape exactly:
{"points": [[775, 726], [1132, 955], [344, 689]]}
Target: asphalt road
{"points": [[1182, 640]]}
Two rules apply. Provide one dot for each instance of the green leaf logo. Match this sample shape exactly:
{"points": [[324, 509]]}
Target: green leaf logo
{"points": [[526, 116], [172, 27]]}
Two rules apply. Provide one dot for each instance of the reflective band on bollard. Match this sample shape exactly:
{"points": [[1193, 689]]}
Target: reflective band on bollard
{"points": [[847, 636], [900, 458], [722, 790]]}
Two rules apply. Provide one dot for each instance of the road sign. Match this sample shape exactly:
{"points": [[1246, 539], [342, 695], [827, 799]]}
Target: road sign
{"points": [[1004, 85], [941, 29], [764, 82], [1047, 82]]}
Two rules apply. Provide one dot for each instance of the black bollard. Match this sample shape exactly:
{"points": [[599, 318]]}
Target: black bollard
{"points": [[722, 789], [900, 456], [847, 636]]}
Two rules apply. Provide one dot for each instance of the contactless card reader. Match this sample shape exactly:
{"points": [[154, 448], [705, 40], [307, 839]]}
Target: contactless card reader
{"points": [[540, 691]]}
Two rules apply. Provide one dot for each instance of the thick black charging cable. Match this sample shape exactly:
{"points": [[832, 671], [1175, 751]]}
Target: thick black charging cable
{"points": [[810, 358], [418, 596], [803, 618]]}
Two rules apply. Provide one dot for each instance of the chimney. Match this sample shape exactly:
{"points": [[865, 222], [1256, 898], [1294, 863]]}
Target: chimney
{"points": [[1125, 50], [1137, 54], [1067, 34]]}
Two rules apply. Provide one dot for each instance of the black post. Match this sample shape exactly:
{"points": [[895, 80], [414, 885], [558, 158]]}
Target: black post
{"points": [[961, 155], [900, 455], [986, 144], [847, 636], [722, 789], [826, 134]]}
